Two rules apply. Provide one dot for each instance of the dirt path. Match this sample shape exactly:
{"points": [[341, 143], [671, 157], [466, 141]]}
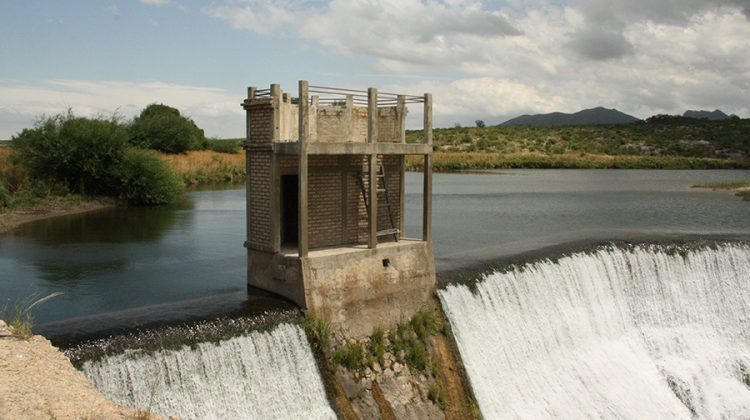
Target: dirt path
{"points": [[38, 382]]}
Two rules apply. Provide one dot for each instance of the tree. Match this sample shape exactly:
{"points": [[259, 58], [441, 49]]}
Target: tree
{"points": [[161, 127], [479, 123]]}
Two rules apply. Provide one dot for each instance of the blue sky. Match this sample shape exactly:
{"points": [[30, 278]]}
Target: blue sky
{"points": [[481, 60]]}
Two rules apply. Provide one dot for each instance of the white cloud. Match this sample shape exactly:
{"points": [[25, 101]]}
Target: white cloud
{"points": [[217, 111], [155, 2]]}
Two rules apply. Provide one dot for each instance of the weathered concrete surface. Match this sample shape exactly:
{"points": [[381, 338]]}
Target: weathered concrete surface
{"points": [[276, 273], [362, 290]]}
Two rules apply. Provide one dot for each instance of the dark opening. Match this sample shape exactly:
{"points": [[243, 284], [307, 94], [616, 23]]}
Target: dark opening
{"points": [[386, 262], [289, 209]]}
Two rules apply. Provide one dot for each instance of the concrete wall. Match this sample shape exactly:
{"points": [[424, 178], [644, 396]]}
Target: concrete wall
{"points": [[357, 293]]}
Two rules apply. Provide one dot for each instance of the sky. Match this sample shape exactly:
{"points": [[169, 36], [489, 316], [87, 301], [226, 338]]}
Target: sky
{"points": [[481, 60]]}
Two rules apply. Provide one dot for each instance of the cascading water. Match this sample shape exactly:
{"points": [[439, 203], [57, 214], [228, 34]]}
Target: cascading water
{"points": [[263, 375], [643, 332]]}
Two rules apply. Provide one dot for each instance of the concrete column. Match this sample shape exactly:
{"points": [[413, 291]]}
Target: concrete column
{"points": [[276, 103], [427, 204], [250, 96], [401, 115], [304, 130], [372, 137]]}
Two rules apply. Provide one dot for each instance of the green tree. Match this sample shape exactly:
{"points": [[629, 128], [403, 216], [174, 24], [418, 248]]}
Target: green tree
{"points": [[77, 152], [161, 127], [479, 123]]}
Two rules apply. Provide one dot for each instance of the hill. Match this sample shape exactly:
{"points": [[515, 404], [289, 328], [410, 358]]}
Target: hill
{"points": [[716, 115], [593, 116]]}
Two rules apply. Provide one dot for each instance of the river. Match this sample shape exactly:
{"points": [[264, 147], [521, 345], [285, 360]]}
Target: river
{"points": [[147, 263]]}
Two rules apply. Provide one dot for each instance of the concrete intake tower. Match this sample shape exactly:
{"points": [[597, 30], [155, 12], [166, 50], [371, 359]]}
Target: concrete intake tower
{"points": [[325, 204]]}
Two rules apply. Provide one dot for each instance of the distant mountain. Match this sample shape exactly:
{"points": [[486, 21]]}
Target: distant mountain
{"points": [[706, 115], [594, 116]]}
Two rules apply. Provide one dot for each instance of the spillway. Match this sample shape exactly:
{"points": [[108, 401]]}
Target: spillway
{"points": [[263, 375], [618, 332]]}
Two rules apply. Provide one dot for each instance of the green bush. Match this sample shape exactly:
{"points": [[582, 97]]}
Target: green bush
{"points": [[77, 152], [161, 127], [224, 146], [144, 179], [4, 195]]}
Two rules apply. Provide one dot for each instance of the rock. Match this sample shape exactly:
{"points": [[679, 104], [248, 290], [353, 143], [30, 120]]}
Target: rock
{"points": [[352, 389], [376, 367], [5, 329], [397, 367]]}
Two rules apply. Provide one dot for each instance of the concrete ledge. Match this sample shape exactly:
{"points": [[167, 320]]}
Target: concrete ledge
{"points": [[355, 288], [360, 291]]}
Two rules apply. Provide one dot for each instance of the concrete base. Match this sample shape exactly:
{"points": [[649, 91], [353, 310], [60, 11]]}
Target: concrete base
{"points": [[356, 289]]}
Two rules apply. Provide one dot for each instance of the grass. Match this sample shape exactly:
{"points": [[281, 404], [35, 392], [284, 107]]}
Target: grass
{"points": [[318, 332], [412, 337], [377, 346], [352, 356], [207, 167], [741, 188], [19, 315]]}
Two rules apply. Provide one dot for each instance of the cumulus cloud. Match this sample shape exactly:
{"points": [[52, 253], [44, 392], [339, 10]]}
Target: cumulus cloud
{"points": [[640, 56], [215, 110]]}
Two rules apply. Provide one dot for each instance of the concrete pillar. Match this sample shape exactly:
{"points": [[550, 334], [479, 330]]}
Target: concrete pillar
{"points": [[276, 102], [401, 117], [427, 204], [250, 95], [372, 137], [304, 130]]}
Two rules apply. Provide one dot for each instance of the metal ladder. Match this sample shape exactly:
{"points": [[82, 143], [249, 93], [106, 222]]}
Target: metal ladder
{"points": [[382, 186]]}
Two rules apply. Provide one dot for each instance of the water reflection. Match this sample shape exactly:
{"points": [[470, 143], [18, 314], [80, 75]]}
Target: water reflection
{"points": [[116, 225]]}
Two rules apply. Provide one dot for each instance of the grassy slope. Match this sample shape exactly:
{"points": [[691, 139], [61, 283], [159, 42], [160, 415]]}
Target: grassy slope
{"points": [[671, 143]]}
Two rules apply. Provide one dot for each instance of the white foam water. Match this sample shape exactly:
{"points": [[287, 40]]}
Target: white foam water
{"points": [[629, 333], [263, 375]]}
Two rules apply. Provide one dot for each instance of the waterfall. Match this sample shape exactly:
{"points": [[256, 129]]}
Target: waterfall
{"points": [[261, 375], [640, 332]]}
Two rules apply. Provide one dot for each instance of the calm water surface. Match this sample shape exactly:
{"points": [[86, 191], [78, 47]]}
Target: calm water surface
{"points": [[192, 257]]}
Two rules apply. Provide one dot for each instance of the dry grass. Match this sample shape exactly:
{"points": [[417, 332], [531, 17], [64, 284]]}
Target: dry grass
{"points": [[740, 188], [207, 167]]}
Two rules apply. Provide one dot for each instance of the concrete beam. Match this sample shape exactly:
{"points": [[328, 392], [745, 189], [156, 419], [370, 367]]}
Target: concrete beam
{"points": [[344, 148]]}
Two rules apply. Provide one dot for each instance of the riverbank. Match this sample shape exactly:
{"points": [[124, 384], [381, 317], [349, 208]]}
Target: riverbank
{"points": [[38, 382], [49, 207], [461, 161]]}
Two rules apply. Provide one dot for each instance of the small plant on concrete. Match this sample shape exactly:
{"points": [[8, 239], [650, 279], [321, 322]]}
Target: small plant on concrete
{"points": [[19, 316], [318, 332], [377, 346], [352, 356]]}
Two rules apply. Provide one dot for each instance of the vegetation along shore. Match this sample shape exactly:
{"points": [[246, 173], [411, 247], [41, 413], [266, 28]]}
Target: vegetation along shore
{"points": [[68, 164]]}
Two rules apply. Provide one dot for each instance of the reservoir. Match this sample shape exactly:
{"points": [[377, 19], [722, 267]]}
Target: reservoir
{"points": [[189, 259]]}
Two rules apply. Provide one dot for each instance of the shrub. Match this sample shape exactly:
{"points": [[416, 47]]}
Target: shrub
{"points": [[224, 146], [161, 127], [144, 179], [4, 195], [77, 152]]}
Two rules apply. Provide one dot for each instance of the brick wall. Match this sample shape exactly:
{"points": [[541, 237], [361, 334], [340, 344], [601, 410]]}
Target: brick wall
{"points": [[260, 120], [259, 198]]}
